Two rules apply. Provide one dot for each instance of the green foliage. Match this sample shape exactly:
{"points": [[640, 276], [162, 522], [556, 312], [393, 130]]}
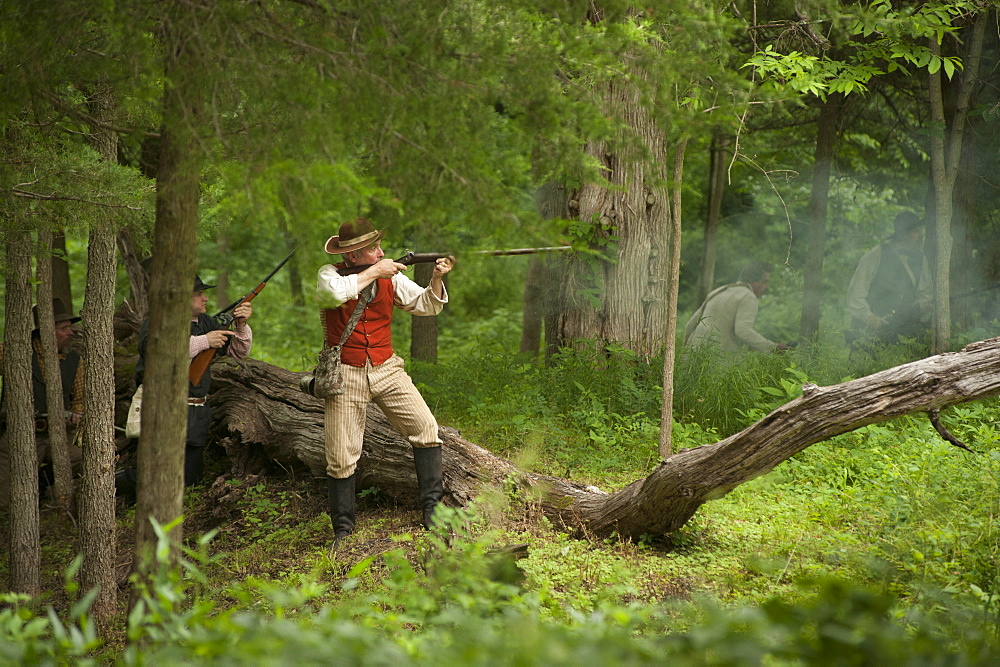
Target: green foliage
{"points": [[714, 390], [889, 39], [588, 411], [454, 611], [570, 577], [841, 624], [925, 508], [811, 74]]}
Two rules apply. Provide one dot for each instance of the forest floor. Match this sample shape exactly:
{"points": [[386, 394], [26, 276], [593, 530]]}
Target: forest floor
{"points": [[275, 528], [770, 538]]}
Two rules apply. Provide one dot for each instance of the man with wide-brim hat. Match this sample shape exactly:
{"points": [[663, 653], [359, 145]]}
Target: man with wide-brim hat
{"points": [[354, 235], [371, 369], [890, 292], [72, 375]]}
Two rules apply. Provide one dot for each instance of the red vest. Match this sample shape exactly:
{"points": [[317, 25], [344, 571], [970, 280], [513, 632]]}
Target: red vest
{"points": [[372, 337]]}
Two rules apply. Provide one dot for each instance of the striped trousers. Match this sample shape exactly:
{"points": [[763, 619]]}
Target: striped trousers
{"points": [[393, 391]]}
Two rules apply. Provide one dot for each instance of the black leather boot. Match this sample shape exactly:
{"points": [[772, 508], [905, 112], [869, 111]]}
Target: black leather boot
{"points": [[428, 463], [341, 508]]}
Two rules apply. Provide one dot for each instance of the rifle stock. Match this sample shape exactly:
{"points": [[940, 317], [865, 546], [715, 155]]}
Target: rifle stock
{"points": [[199, 365]]}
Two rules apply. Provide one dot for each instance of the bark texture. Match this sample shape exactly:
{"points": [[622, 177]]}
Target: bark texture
{"points": [[52, 375], [827, 133], [164, 414], [262, 412], [25, 559], [97, 497], [623, 301]]}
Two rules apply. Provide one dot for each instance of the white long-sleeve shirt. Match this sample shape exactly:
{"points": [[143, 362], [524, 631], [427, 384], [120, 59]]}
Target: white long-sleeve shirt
{"points": [[335, 289], [726, 319]]}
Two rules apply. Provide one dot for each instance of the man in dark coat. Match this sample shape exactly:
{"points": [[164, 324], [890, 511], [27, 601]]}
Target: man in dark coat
{"points": [[890, 292], [205, 333], [71, 370]]}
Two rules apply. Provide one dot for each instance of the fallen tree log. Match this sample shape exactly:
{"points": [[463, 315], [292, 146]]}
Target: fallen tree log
{"points": [[260, 405]]}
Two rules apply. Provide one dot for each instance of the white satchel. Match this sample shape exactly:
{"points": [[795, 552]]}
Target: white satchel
{"points": [[134, 421]]}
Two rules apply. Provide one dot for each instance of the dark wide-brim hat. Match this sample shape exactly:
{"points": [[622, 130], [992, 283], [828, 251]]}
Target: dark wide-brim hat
{"points": [[905, 223], [354, 235], [60, 313], [199, 286]]}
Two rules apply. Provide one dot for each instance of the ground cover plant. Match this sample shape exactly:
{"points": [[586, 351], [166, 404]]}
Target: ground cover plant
{"points": [[880, 544]]}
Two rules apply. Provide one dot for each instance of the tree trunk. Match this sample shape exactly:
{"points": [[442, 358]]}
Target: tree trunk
{"points": [[621, 302], [133, 311], [533, 312], [424, 330], [946, 153], [942, 188], [260, 411], [965, 265], [97, 496], [62, 469], [672, 283], [164, 414], [827, 128], [25, 556], [716, 188], [61, 286], [294, 268]]}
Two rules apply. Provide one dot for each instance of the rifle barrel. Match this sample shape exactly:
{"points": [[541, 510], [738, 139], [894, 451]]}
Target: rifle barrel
{"points": [[521, 251], [238, 301], [975, 291], [411, 258]]}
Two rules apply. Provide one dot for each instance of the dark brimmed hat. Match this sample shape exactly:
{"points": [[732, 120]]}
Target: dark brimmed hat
{"points": [[199, 286], [354, 235], [60, 313], [905, 223]]}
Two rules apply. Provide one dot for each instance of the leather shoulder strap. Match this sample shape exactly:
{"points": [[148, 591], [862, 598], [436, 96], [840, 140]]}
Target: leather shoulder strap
{"points": [[363, 298]]}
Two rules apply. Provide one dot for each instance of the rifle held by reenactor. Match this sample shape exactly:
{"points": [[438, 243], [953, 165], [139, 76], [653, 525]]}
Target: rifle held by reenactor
{"points": [[411, 258], [225, 320], [911, 317]]}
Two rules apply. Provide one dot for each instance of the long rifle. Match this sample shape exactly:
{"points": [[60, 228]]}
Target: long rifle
{"points": [[411, 258], [911, 318], [225, 319], [974, 291]]}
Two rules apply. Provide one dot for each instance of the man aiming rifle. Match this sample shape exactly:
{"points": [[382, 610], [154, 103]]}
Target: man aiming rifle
{"points": [[371, 369], [206, 334], [226, 318]]}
